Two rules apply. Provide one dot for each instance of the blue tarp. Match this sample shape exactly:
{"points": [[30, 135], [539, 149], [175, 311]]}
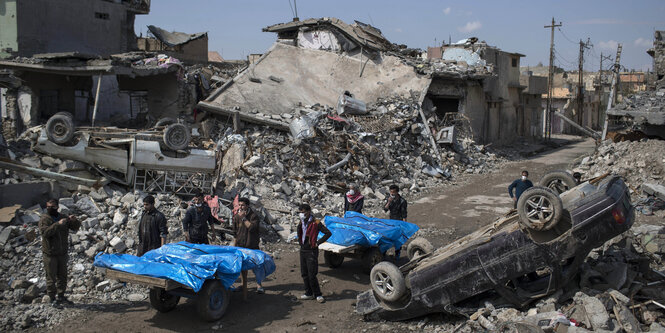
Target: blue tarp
{"points": [[192, 264], [358, 229]]}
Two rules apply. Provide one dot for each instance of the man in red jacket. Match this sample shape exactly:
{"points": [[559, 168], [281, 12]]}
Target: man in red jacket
{"points": [[308, 232]]}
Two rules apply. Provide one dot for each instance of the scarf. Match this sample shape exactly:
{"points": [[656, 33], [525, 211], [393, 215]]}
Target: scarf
{"points": [[353, 198], [312, 232]]}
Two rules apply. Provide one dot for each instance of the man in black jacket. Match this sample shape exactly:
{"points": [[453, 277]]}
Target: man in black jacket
{"points": [[308, 232], [395, 204], [54, 228], [152, 227], [198, 221]]}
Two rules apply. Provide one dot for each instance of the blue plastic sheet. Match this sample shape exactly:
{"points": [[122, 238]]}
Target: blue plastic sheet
{"points": [[358, 229], [192, 264]]}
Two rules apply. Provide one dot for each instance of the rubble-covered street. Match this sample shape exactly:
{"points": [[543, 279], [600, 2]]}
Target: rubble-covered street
{"points": [[330, 152]]}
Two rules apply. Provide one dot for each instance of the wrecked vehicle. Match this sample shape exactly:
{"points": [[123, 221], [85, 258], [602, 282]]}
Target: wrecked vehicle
{"points": [[520, 257], [154, 160]]}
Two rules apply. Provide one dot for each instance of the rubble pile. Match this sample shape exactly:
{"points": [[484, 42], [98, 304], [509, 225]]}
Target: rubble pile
{"points": [[648, 101], [387, 146], [109, 220], [640, 163]]}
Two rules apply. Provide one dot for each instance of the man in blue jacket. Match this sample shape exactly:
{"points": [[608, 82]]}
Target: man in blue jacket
{"points": [[520, 185]]}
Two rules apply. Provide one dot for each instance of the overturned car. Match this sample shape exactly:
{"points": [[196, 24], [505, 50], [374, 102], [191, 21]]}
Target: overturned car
{"points": [[522, 256], [159, 159]]}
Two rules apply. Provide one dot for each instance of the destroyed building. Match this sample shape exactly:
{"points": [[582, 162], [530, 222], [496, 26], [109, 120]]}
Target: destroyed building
{"points": [[34, 89], [98, 27], [189, 48], [657, 52], [494, 104]]}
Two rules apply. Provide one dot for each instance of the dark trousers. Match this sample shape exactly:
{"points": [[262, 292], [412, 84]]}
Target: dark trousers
{"points": [[56, 274], [199, 240], [309, 267]]}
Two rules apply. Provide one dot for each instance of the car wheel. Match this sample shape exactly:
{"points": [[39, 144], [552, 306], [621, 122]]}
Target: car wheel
{"points": [[176, 136], [60, 128], [165, 122], [419, 246], [387, 281], [163, 301], [539, 208], [558, 181], [371, 257], [212, 300], [333, 260]]}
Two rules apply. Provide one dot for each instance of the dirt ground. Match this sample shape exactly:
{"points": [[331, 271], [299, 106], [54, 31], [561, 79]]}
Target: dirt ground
{"points": [[452, 212]]}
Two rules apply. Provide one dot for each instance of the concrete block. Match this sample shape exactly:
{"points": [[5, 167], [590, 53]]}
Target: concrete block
{"points": [[118, 244], [119, 217], [68, 202], [90, 222], [4, 235], [655, 190], [91, 252], [102, 285]]}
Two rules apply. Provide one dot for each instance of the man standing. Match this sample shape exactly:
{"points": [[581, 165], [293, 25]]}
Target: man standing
{"points": [[152, 227], [353, 201], [520, 185], [54, 228], [196, 221], [395, 204], [308, 232], [246, 229]]}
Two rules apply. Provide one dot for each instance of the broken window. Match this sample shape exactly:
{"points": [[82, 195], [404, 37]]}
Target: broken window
{"points": [[514, 62], [445, 105], [102, 16]]}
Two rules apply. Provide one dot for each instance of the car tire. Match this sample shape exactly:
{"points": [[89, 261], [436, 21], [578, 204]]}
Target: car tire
{"points": [[176, 136], [419, 246], [163, 301], [212, 301], [558, 181], [60, 128], [333, 260], [371, 257], [539, 208], [387, 282], [165, 122]]}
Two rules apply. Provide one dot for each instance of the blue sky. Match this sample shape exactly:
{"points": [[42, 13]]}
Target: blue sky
{"points": [[234, 27]]}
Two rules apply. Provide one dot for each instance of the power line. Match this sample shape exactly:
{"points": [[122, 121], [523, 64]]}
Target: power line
{"points": [[566, 37]]}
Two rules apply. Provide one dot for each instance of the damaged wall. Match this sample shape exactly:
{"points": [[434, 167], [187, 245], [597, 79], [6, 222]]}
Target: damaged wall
{"points": [[289, 75], [86, 26], [164, 93]]}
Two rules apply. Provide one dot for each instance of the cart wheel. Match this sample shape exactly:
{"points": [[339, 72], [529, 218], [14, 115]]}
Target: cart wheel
{"points": [[387, 281], [371, 257], [60, 128], [212, 301], [162, 301], [333, 260], [419, 246], [539, 208], [176, 136], [558, 181]]}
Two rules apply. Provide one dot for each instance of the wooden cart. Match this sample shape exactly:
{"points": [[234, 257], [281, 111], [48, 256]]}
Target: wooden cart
{"points": [[212, 300], [334, 254]]}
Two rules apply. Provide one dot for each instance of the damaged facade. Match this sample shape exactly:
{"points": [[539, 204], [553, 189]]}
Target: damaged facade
{"points": [[98, 27], [130, 94], [190, 48], [495, 105]]}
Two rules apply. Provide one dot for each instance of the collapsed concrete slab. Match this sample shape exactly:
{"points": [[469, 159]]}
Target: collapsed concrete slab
{"points": [[313, 76]]}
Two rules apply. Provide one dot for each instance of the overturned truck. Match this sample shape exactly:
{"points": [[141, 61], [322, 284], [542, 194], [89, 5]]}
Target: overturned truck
{"points": [[522, 256], [156, 160]]}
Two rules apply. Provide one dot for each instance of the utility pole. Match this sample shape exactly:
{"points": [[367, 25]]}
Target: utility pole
{"points": [[600, 88], [580, 84], [547, 117], [615, 78]]}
